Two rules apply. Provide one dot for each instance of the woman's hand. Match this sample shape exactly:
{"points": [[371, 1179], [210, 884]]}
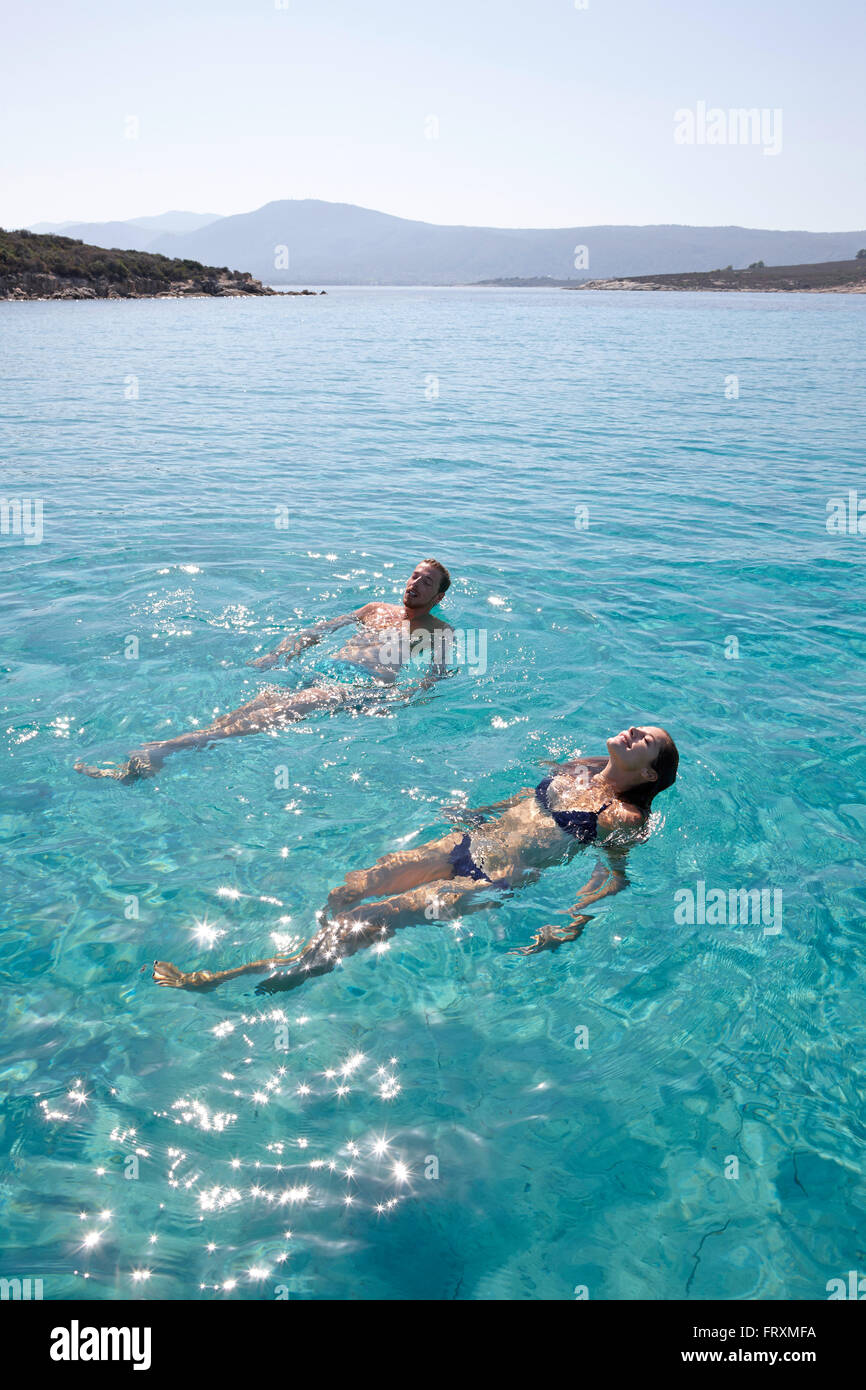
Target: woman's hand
{"points": [[550, 937]]}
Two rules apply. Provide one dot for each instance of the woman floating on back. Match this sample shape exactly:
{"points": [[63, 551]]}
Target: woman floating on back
{"points": [[590, 798]]}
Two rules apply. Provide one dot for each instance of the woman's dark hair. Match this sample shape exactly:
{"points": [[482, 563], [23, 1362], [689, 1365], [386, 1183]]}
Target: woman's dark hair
{"points": [[665, 766]]}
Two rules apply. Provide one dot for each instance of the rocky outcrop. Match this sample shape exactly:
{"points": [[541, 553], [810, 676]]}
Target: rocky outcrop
{"points": [[33, 266], [27, 285], [825, 277]]}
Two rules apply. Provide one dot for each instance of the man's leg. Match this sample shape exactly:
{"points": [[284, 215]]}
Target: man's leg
{"points": [[273, 709]]}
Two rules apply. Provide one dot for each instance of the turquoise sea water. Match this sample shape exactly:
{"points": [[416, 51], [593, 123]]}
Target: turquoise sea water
{"points": [[437, 1085]]}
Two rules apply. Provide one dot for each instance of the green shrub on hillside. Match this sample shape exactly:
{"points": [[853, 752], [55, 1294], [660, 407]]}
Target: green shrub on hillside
{"points": [[24, 252]]}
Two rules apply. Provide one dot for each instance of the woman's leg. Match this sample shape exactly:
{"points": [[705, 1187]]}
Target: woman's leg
{"points": [[164, 973], [395, 873], [372, 924], [273, 709], [336, 939]]}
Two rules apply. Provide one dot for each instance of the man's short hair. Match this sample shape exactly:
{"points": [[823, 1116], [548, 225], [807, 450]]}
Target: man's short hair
{"points": [[444, 576]]}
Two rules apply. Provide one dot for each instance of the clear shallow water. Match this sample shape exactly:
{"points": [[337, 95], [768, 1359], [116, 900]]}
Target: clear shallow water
{"points": [[557, 1167]]}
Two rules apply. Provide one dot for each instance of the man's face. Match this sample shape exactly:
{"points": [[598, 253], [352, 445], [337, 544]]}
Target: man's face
{"points": [[422, 587]]}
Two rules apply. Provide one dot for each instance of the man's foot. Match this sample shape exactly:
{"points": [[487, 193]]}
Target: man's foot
{"points": [[139, 766], [97, 771]]}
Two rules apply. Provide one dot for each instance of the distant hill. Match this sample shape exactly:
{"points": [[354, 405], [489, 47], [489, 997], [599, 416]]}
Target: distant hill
{"points": [[834, 277], [137, 233], [322, 243], [57, 267], [176, 222]]}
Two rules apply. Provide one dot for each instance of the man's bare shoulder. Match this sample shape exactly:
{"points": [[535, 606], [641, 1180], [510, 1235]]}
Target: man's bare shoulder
{"points": [[377, 610]]}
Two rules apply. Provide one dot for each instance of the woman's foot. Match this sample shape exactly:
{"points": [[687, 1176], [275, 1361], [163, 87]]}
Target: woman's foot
{"points": [[164, 973]]}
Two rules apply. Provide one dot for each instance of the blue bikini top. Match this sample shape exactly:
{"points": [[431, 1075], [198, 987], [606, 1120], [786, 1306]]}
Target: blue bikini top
{"points": [[583, 825]]}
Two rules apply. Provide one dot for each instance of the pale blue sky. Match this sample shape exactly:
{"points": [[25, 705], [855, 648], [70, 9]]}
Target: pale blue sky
{"points": [[548, 115]]}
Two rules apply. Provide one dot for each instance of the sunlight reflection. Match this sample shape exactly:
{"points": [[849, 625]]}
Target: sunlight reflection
{"points": [[294, 1165], [206, 934]]}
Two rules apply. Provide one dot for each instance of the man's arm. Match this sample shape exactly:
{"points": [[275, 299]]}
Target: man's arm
{"points": [[293, 646], [438, 669]]}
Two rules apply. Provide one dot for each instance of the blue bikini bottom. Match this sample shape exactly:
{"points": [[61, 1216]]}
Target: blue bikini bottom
{"points": [[465, 866]]}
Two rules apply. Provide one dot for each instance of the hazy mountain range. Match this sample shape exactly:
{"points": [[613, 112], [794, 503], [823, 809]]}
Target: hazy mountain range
{"points": [[315, 243], [142, 228]]}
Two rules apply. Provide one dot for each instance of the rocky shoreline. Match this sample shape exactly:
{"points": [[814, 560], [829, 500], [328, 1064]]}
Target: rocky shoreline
{"points": [[828, 277], [33, 266], [52, 287], [726, 289]]}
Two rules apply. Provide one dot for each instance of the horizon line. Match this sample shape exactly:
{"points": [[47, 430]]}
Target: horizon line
{"points": [[476, 226]]}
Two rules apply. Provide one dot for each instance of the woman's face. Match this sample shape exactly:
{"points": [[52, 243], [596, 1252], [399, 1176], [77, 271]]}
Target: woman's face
{"points": [[635, 749]]}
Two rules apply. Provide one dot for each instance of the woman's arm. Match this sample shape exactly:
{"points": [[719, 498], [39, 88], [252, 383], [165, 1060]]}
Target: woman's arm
{"points": [[603, 883], [583, 769], [460, 815]]}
